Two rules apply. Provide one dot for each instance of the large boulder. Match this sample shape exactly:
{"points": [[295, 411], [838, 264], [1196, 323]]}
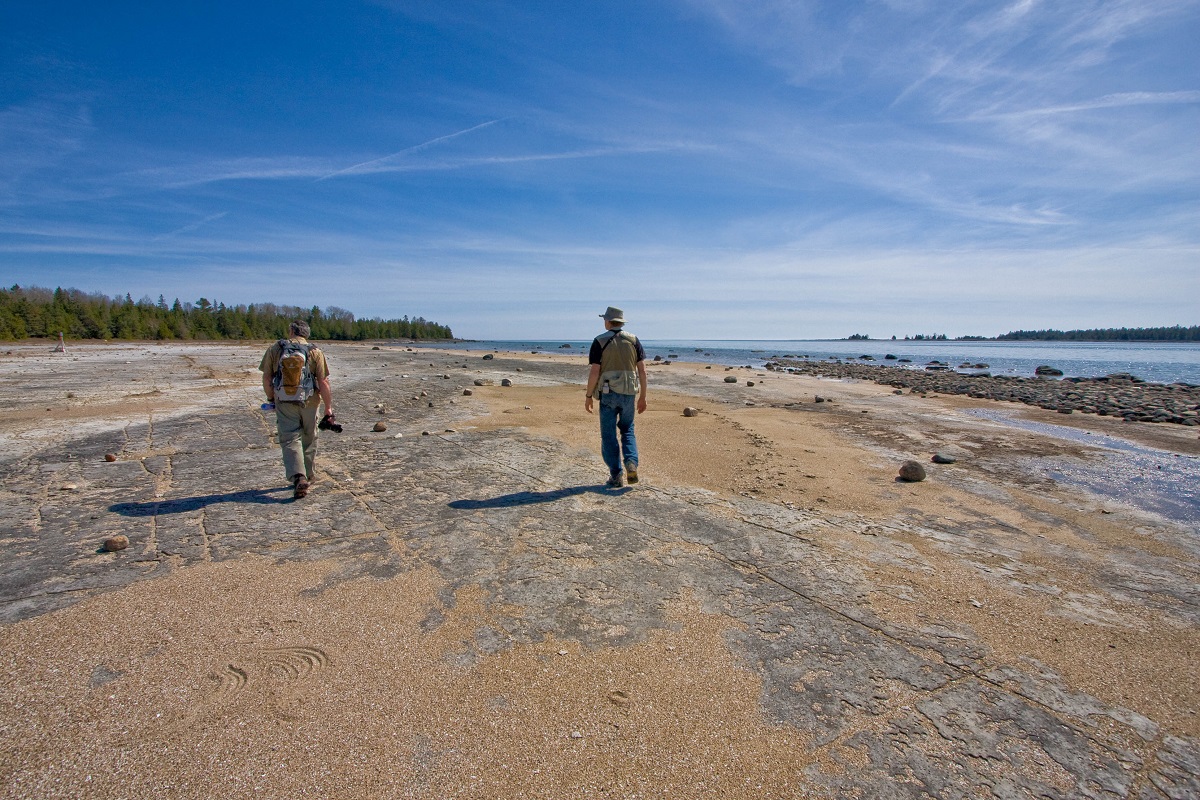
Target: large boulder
{"points": [[912, 472]]}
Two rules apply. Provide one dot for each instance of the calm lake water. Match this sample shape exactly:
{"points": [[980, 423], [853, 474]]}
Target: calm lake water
{"points": [[1151, 361]]}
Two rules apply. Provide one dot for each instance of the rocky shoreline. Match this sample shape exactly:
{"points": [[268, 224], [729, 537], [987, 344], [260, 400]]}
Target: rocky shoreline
{"points": [[1119, 395], [459, 606]]}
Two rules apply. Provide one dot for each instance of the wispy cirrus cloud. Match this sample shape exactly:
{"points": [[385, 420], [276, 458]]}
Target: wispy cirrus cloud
{"points": [[1032, 55], [944, 58], [1015, 113], [282, 168], [205, 171], [1117, 100], [39, 136]]}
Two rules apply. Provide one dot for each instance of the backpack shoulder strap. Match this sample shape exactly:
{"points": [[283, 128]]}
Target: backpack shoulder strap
{"points": [[612, 336], [287, 344]]}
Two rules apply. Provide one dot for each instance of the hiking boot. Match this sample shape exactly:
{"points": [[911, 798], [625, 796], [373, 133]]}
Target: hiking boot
{"points": [[614, 482], [299, 486], [631, 472]]}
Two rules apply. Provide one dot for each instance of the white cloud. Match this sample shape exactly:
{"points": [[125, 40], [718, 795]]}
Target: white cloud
{"points": [[39, 136], [1118, 100]]}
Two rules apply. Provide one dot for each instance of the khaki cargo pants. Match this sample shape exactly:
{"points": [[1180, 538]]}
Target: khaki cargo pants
{"points": [[297, 426]]}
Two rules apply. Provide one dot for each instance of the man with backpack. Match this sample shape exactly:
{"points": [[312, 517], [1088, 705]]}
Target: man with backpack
{"points": [[295, 378], [616, 376]]}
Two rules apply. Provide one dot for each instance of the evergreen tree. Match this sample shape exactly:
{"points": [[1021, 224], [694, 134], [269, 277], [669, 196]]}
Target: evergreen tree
{"points": [[36, 312]]}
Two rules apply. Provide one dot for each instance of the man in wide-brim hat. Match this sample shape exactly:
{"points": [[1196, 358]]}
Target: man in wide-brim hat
{"points": [[617, 379]]}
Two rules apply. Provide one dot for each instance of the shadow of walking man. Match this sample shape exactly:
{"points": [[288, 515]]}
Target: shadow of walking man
{"points": [[532, 498], [184, 504]]}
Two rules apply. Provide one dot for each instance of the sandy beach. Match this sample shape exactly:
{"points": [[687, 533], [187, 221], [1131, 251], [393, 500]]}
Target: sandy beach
{"points": [[460, 609]]}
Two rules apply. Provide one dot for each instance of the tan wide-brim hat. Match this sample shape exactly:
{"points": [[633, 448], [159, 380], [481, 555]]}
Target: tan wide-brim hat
{"points": [[614, 314]]}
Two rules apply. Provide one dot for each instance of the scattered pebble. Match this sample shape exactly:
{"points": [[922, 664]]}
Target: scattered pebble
{"points": [[912, 471], [380, 427], [691, 412], [110, 457], [115, 543], [943, 458]]}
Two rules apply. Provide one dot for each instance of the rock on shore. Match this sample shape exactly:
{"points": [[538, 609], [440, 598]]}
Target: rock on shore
{"points": [[1119, 395]]}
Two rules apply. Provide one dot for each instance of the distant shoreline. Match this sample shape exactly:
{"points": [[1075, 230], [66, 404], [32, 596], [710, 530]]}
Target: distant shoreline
{"points": [[1163, 334]]}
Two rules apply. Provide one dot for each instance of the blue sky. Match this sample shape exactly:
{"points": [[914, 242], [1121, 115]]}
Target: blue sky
{"points": [[719, 169]]}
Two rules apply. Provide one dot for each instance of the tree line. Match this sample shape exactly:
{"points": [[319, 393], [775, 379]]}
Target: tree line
{"points": [[1175, 333], [37, 312]]}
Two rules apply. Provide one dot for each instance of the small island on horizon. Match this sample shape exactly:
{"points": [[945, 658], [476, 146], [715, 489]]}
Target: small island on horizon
{"points": [[1174, 333]]}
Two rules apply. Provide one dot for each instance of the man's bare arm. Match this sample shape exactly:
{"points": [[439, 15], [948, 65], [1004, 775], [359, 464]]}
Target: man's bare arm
{"points": [[641, 401], [593, 379], [326, 394]]}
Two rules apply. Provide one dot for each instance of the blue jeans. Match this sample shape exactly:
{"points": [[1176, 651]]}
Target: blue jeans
{"points": [[616, 415]]}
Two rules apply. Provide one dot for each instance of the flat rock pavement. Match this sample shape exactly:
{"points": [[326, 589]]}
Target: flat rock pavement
{"points": [[926, 709]]}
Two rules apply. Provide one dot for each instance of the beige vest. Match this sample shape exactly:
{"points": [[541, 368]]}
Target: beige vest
{"points": [[618, 362]]}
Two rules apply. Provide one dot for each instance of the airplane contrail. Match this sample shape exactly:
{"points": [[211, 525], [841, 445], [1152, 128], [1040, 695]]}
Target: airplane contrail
{"points": [[412, 149], [191, 226]]}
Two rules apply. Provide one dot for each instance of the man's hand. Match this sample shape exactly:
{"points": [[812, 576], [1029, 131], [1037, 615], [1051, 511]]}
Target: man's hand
{"points": [[641, 404], [587, 404]]}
